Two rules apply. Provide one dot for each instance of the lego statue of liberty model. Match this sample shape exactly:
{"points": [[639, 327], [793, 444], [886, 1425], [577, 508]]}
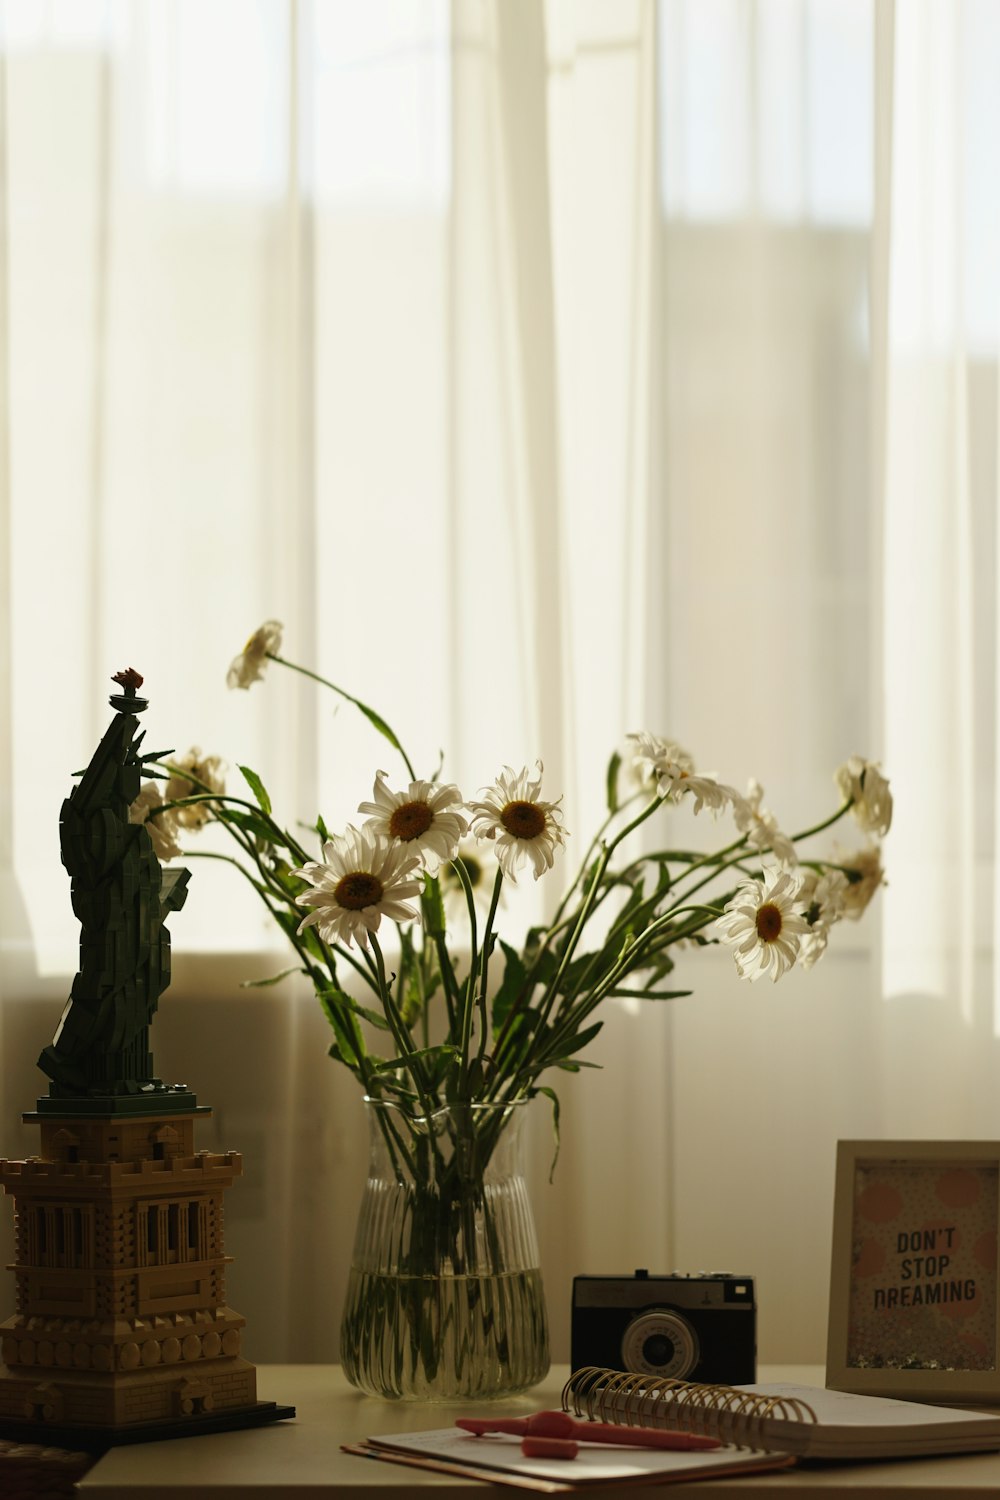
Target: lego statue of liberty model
{"points": [[121, 1329], [100, 1058]]}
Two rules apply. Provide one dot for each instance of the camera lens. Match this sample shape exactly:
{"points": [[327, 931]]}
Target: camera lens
{"points": [[658, 1349], [660, 1342]]}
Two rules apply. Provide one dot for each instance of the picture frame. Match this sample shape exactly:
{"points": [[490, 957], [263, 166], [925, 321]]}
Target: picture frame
{"points": [[915, 1272]]}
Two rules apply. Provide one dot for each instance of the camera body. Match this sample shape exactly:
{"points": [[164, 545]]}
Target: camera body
{"points": [[699, 1327]]}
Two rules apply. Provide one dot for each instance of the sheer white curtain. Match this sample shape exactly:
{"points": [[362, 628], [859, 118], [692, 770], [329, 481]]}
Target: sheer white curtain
{"points": [[940, 240], [551, 371], [860, 350]]}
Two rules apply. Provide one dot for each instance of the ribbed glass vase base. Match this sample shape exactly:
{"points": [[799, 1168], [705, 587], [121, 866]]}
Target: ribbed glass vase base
{"points": [[445, 1300], [479, 1336]]}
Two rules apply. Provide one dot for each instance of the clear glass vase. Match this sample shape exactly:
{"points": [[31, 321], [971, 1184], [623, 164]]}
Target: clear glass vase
{"points": [[445, 1297]]}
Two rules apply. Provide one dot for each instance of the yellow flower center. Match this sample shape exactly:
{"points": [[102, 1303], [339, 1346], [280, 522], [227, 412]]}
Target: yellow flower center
{"points": [[769, 922], [358, 890], [410, 820], [525, 820]]}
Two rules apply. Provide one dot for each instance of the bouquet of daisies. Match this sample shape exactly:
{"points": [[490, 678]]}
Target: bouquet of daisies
{"points": [[480, 1021]]}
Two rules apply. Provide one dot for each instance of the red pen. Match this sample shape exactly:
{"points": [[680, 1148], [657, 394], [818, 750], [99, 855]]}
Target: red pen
{"points": [[560, 1425], [548, 1447]]}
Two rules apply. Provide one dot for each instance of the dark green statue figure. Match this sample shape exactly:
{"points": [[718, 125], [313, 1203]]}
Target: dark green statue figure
{"points": [[99, 1059]]}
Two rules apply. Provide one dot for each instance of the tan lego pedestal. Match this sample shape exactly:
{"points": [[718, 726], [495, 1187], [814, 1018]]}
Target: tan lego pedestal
{"points": [[121, 1326]]}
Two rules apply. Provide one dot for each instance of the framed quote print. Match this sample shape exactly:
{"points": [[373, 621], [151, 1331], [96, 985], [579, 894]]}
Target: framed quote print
{"points": [[913, 1283]]}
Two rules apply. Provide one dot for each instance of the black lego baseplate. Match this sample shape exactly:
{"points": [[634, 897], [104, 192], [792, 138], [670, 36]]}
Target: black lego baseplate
{"points": [[80, 1439]]}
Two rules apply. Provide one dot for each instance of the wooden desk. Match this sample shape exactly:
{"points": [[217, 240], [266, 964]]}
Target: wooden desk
{"points": [[301, 1460]]}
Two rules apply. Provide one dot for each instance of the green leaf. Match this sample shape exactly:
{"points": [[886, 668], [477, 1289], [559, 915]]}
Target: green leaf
{"points": [[551, 1094], [573, 1065], [614, 766], [514, 975], [255, 784], [576, 1043], [660, 965], [261, 984], [624, 922], [334, 1000], [249, 820], [533, 942], [392, 1064], [349, 1038], [379, 723], [475, 1078], [432, 903], [321, 828], [652, 994]]}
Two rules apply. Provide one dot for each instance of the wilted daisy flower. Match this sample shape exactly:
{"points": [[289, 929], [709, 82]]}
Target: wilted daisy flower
{"points": [[862, 782], [249, 665], [204, 773], [822, 899], [671, 769], [653, 757], [763, 924], [480, 879], [864, 876], [363, 877], [761, 827], [651, 753], [422, 818], [161, 826], [524, 827]]}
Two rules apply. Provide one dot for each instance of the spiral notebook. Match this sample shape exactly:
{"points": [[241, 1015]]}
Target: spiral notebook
{"points": [[805, 1421], [498, 1460]]}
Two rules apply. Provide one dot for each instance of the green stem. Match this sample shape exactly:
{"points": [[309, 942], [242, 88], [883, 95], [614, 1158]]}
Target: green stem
{"points": [[469, 998], [401, 1033], [807, 833], [369, 713], [566, 1026], [272, 891], [552, 989], [449, 982], [586, 906], [220, 799], [432, 921], [560, 921], [707, 879], [484, 1030]]}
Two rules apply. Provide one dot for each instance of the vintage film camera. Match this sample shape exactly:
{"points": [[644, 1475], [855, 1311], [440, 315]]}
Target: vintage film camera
{"points": [[690, 1327]]}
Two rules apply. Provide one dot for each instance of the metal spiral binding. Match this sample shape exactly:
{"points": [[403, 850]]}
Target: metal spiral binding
{"points": [[723, 1411]]}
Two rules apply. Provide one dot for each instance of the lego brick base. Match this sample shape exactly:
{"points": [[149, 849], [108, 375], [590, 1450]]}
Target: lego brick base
{"points": [[98, 1440]]}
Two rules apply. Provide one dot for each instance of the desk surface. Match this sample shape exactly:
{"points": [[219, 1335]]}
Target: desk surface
{"points": [[301, 1459]]}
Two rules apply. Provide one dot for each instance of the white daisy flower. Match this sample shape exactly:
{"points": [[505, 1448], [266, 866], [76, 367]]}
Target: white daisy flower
{"points": [[822, 898], [524, 827], [363, 877], [763, 924], [249, 665], [423, 818], [862, 782], [161, 826], [671, 769], [761, 827], [865, 866], [204, 771]]}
